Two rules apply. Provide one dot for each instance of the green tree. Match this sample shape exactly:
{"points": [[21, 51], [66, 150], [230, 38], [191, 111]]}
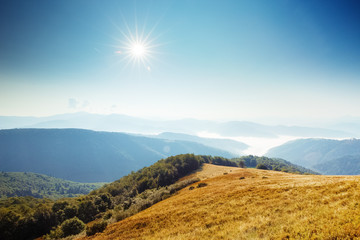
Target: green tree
{"points": [[87, 211], [72, 226]]}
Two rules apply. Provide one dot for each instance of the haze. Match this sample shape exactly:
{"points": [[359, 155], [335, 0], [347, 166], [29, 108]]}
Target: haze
{"points": [[287, 62]]}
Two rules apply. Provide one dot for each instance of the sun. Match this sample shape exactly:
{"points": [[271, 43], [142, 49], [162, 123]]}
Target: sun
{"points": [[137, 47], [138, 50]]}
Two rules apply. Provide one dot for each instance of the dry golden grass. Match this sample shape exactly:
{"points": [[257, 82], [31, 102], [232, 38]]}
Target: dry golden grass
{"points": [[263, 205]]}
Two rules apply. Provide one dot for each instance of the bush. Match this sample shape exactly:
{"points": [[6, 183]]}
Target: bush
{"points": [[201, 185], [191, 188], [55, 234], [72, 226], [95, 228], [261, 166]]}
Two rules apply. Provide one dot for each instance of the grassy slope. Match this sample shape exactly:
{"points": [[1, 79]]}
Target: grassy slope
{"points": [[266, 204]]}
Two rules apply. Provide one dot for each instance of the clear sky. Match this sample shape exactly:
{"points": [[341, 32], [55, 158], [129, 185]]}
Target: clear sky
{"points": [[228, 60]]}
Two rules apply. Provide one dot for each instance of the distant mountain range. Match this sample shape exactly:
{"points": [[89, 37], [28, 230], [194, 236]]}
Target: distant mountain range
{"points": [[85, 155], [346, 165], [323, 155], [123, 123], [224, 144]]}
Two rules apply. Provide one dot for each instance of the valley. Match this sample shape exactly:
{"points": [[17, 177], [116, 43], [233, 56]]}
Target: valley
{"points": [[21, 184]]}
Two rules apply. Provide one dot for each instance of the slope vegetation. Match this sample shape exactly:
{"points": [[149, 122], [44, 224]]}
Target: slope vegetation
{"points": [[250, 204], [346, 165], [26, 217], [18, 184]]}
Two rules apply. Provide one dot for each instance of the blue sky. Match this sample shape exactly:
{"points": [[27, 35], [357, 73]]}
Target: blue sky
{"points": [[225, 60]]}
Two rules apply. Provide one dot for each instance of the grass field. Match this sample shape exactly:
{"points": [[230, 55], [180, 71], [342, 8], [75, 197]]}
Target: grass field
{"points": [[250, 204]]}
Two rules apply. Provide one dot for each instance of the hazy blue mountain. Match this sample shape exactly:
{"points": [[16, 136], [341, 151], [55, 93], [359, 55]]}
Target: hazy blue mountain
{"points": [[7, 122], [87, 156], [123, 123], [224, 144], [316, 153], [348, 126], [346, 165], [19, 184]]}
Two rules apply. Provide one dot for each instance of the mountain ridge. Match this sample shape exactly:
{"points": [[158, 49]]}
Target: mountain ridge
{"points": [[315, 153], [124, 123], [85, 155]]}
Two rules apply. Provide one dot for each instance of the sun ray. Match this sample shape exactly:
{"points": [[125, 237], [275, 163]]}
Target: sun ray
{"points": [[137, 46]]}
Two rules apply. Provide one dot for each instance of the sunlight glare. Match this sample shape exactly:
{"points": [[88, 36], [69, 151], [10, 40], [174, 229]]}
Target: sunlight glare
{"points": [[137, 47], [138, 50]]}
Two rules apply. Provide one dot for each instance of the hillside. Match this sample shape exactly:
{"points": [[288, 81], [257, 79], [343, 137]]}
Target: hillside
{"points": [[250, 204], [315, 153], [347, 165], [18, 184], [24, 218], [87, 156]]}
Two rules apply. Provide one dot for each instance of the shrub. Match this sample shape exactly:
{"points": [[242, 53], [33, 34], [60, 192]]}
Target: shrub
{"points": [[242, 178], [261, 166], [201, 185], [55, 234], [87, 211], [72, 226], [191, 188], [108, 215], [95, 228], [122, 215]]}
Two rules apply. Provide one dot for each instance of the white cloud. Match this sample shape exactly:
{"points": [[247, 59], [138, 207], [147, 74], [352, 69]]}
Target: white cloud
{"points": [[85, 104], [76, 104], [73, 103]]}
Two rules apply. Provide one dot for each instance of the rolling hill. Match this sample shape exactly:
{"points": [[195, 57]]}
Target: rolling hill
{"points": [[27, 217], [18, 184], [317, 153], [238, 203], [87, 156]]}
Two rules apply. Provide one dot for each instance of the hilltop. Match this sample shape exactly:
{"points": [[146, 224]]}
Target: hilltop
{"points": [[237, 203]]}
